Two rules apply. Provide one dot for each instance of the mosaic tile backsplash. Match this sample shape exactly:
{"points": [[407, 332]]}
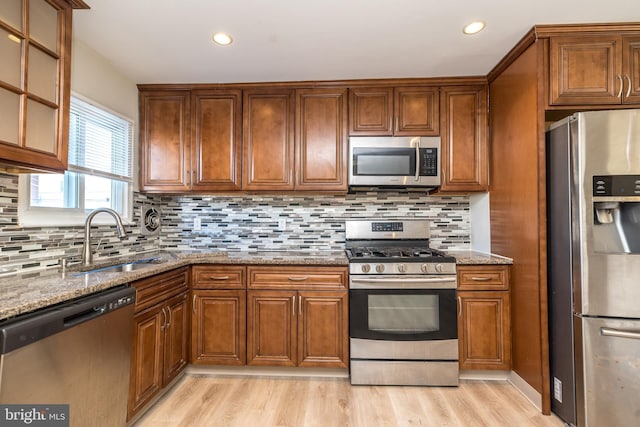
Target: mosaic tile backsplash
{"points": [[234, 223]]}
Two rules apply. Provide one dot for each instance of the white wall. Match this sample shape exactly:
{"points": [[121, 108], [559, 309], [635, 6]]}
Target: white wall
{"points": [[94, 78], [480, 225]]}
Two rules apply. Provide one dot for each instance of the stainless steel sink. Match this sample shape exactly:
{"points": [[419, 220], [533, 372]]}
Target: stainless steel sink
{"points": [[121, 268]]}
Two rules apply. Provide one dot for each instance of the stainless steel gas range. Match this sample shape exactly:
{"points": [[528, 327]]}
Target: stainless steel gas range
{"points": [[402, 305]]}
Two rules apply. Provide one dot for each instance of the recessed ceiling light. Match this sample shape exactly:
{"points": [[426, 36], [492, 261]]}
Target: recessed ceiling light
{"points": [[222, 38], [474, 27]]}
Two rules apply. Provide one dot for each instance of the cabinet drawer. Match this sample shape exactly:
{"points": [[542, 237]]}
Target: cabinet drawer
{"points": [[218, 277], [488, 277], [284, 277], [160, 287]]}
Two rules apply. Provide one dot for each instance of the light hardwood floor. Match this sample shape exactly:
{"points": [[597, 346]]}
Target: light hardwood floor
{"points": [[295, 402]]}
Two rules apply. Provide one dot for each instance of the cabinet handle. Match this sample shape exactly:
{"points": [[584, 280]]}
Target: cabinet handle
{"points": [[219, 277], [391, 122], [480, 279], [298, 279], [293, 305], [193, 304], [626, 76], [619, 77], [397, 125], [164, 316], [459, 306], [299, 306], [168, 321]]}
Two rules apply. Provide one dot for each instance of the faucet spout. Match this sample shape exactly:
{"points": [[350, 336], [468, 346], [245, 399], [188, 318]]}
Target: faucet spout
{"points": [[87, 255]]}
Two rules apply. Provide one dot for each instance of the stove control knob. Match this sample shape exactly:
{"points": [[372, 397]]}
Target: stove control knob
{"points": [[366, 268], [402, 268], [424, 268], [439, 268], [380, 268]]}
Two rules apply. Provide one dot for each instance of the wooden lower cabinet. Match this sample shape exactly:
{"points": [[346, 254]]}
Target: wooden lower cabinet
{"points": [[160, 340], [484, 323], [219, 327], [297, 328]]}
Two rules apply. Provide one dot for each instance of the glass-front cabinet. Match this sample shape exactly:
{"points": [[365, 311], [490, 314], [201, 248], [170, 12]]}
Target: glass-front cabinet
{"points": [[35, 47]]}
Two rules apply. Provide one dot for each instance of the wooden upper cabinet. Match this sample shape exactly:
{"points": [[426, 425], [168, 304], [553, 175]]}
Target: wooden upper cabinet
{"points": [[416, 111], [594, 69], [371, 111], [631, 68], [164, 141], [385, 111], [268, 145], [464, 138], [321, 139], [35, 84], [216, 140]]}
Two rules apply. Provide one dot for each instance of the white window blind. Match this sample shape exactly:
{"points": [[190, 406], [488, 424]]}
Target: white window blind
{"points": [[100, 143]]}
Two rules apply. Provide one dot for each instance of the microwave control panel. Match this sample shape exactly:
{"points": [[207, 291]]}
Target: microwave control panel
{"points": [[428, 162]]}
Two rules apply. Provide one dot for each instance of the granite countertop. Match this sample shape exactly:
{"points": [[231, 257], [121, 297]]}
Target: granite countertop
{"points": [[26, 293], [475, 257]]}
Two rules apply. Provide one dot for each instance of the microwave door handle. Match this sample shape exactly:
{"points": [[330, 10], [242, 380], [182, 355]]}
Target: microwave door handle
{"points": [[417, 177]]}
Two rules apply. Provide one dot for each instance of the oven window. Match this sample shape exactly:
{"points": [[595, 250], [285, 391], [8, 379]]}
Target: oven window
{"points": [[403, 314]]}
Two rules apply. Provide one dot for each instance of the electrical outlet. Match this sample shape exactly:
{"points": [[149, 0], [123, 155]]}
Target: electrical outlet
{"points": [[282, 224], [197, 224], [557, 389]]}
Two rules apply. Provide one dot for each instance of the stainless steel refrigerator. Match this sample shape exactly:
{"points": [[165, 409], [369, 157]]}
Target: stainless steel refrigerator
{"points": [[593, 243]]}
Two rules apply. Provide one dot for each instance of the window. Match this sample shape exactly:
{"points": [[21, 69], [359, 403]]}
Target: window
{"points": [[99, 173]]}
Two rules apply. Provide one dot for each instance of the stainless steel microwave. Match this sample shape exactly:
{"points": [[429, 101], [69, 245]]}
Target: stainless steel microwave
{"points": [[395, 162]]}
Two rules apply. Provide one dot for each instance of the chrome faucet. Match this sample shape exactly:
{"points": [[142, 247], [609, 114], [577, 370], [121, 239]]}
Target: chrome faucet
{"points": [[86, 247]]}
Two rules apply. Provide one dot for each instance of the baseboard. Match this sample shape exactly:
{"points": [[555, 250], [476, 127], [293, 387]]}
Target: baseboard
{"points": [[485, 375], [529, 392], [268, 371]]}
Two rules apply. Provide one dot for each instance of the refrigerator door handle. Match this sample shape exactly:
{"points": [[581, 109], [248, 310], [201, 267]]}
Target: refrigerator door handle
{"points": [[608, 332]]}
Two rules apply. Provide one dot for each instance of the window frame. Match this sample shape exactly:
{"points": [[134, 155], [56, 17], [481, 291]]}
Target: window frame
{"points": [[34, 216]]}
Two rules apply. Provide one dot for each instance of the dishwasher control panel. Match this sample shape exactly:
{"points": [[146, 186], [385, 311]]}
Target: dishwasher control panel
{"points": [[121, 302]]}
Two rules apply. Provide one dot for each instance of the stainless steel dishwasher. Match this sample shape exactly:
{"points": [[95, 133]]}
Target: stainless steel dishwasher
{"points": [[77, 353]]}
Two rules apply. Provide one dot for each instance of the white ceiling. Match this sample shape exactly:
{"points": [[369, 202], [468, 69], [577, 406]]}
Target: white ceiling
{"points": [[169, 41]]}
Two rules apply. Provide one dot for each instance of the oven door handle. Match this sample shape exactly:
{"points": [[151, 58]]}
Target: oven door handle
{"points": [[412, 283]]}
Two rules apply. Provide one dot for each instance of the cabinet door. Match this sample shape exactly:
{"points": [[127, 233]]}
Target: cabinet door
{"points": [[464, 139], [146, 358], [416, 111], [35, 41], [321, 139], [164, 141], [484, 330], [585, 70], [271, 328], [323, 330], [268, 145], [216, 140], [176, 341], [631, 69], [219, 328], [371, 111]]}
